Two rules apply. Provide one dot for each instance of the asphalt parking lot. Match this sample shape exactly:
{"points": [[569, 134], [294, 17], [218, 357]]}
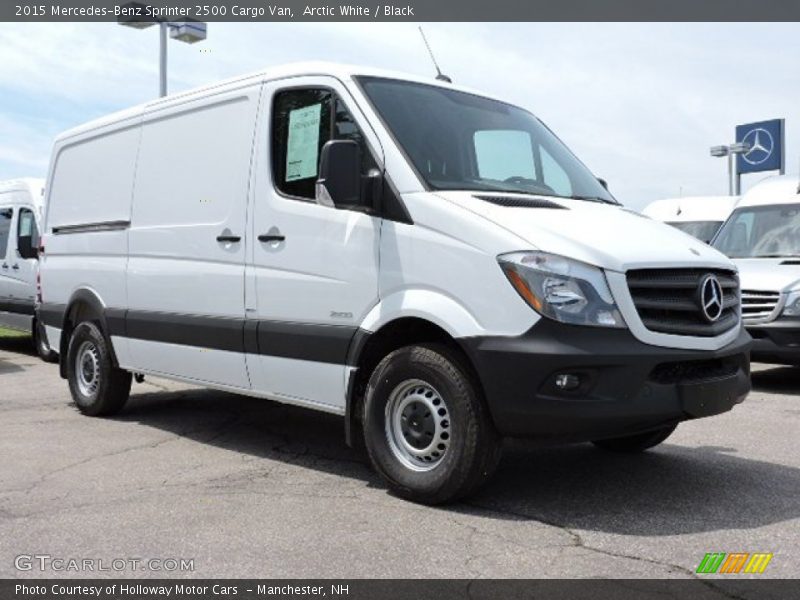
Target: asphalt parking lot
{"points": [[250, 488]]}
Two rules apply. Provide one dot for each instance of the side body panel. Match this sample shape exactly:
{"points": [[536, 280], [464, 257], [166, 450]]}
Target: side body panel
{"points": [[20, 215], [87, 209], [16, 304], [310, 291], [188, 236]]}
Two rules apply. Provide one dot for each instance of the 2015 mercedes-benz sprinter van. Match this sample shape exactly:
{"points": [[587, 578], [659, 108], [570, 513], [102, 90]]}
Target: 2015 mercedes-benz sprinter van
{"points": [[762, 236], [21, 202], [430, 263]]}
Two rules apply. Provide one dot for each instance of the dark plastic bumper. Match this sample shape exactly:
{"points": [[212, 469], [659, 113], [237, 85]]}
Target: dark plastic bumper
{"points": [[777, 342], [626, 386]]}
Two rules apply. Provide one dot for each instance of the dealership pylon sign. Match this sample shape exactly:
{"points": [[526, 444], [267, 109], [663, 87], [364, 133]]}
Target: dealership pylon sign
{"points": [[766, 142]]}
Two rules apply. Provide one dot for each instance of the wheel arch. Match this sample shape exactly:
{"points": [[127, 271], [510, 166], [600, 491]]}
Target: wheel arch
{"points": [[83, 305], [369, 348]]}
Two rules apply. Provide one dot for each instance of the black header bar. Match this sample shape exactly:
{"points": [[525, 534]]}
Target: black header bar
{"points": [[401, 10], [398, 589]]}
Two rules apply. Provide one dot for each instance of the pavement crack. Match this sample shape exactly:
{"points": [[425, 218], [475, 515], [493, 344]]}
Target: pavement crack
{"points": [[577, 539]]}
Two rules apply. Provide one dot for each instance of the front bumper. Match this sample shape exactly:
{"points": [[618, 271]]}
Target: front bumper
{"points": [[626, 386], [776, 342]]}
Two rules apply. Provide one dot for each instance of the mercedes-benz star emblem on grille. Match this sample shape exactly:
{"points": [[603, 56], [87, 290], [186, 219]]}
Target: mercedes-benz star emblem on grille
{"points": [[711, 298]]}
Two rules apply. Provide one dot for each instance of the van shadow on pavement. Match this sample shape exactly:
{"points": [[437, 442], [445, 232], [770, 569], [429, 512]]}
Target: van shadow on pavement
{"points": [[17, 345], [671, 490], [777, 380]]}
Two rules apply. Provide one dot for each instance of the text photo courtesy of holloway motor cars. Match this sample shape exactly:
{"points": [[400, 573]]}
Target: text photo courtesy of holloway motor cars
{"points": [[428, 301]]}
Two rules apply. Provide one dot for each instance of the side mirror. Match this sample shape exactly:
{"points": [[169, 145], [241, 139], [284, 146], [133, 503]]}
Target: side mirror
{"points": [[339, 182], [26, 248], [603, 182]]}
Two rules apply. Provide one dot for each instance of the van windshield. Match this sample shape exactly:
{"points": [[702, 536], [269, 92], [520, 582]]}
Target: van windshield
{"points": [[702, 230], [771, 231], [459, 141]]}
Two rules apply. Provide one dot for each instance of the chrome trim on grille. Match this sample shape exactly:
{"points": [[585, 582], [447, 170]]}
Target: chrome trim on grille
{"points": [[761, 306], [667, 300]]}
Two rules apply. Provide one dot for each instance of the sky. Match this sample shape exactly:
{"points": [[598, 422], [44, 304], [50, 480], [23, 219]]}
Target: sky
{"points": [[639, 103]]}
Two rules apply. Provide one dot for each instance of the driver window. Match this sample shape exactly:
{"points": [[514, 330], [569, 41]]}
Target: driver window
{"points": [[303, 119], [504, 154]]}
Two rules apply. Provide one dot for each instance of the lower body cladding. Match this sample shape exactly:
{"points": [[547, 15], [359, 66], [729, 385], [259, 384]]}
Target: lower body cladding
{"points": [[425, 425], [777, 342], [570, 383]]}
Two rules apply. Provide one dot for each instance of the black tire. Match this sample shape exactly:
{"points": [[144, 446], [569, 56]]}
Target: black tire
{"points": [[470, 456], [102, 389], [636, 443], [41, 344]]}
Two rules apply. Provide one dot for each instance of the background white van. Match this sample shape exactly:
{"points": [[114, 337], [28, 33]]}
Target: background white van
{"points": [[21, 202], [699, 216], [763, 238], [430, 263]]}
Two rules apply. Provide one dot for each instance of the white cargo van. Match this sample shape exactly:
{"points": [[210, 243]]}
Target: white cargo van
{"points": [[699, 216], [430, 263], [21, 202], [762, 236]]}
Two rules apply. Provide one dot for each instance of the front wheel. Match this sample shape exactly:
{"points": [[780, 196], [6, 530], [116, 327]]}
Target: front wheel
{"points": [[636, 443], [97, 386], [426, 427]]}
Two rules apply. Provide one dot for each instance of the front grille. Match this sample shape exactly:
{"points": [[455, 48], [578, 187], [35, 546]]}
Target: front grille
{"points": [[757, 305], [668, 300]]}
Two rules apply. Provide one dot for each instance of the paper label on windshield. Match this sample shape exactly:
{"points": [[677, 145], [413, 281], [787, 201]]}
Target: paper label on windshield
{"points": [[302, 147]]}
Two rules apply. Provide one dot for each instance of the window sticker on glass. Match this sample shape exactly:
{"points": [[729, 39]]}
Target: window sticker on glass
{"points": [[302, 147]]}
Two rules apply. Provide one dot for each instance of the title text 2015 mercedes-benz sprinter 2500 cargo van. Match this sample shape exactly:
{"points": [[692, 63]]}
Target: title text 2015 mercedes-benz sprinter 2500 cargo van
{"points": [[762, 236], [432, 264], [21, 203]]}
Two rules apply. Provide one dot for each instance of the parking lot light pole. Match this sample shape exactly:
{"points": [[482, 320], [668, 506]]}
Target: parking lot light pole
{"points": [[162, 60], [731, 150], [188, 31]]}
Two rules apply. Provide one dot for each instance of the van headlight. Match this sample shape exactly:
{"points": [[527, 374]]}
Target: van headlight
{"points": [[792, 306], [562, 289]]}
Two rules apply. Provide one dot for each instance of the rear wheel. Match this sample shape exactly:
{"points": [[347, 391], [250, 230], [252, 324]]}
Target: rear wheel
{"points": [[97, 386], [636, 443], [41, 343], [426, 427]]}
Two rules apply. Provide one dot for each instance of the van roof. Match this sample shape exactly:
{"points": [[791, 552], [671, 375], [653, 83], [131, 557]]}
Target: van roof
{"points": [[780, 189], [31, 185], [339, 70], [691, 208]]}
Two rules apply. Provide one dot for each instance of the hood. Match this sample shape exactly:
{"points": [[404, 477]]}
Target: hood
{"points": [[768, 274], [603, 235]]}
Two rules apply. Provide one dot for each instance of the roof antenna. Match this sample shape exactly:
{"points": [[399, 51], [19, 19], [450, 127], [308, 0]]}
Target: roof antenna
{"points": [[439, 75]]}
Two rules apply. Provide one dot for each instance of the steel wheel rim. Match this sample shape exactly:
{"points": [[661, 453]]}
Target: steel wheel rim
{"points": [[417, 423], [87, 369]]}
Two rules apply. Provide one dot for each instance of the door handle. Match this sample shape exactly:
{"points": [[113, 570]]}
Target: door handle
{"points": [[229, 238], [15, 267], [5, 266], [271, 237]]}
